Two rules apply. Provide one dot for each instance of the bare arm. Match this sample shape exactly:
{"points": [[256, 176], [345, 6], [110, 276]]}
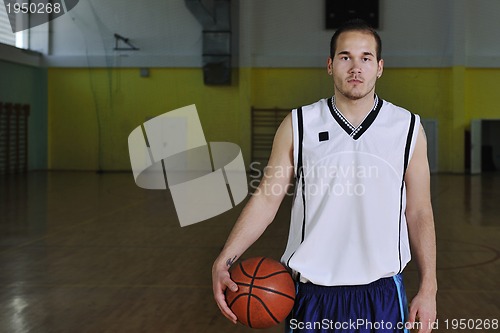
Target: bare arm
{"points": [[257, 214], [422, 235]]}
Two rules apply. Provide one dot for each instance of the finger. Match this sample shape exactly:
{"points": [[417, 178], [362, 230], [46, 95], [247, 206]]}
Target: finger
{"points": [[228, 314], [412, 316], [224, 308], [231, 284], [424, 329], [426, 326], [410, 322]]}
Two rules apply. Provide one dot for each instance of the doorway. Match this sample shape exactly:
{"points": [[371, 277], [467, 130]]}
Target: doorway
{"points": [[484, 146]]}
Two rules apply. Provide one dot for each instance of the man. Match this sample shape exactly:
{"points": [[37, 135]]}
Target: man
{"points": [[362, 196]]}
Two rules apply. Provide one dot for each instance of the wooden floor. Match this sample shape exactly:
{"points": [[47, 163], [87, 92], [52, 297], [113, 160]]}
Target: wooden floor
{"points": [[87, 252]]}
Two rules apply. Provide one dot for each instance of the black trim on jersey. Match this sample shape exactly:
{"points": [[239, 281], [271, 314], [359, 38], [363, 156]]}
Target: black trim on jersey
{"points": [[300, 177], [355, 133], [301, 169], [368, 120], [300, 125], [339, 118], [408, 143], [405, 166]]}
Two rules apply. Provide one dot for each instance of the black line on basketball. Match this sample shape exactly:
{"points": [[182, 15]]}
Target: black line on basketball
{"points": [[270, 275], [245, 272], [250, 290], [261, 277], [265, 307], [274, 292], [234, 299], [243, 284]]}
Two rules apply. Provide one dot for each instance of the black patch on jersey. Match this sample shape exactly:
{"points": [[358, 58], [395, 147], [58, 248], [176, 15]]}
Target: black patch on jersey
{"points": [[323, 136]]}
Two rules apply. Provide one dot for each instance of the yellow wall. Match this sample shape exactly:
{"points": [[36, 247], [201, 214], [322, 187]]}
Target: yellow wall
{"points": [[82, 101], [88, 106], [481, 93], [289, 88], [427, 93]]}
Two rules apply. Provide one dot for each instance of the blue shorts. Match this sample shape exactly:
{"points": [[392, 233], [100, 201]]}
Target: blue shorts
{"points": [[377, 307]]}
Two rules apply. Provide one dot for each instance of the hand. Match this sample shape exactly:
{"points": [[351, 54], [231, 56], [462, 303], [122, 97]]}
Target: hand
{"points": [[423, 307], [221, 280]]}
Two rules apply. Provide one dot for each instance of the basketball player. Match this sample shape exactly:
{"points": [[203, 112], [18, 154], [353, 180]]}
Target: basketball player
{"points": [[362, 197]]}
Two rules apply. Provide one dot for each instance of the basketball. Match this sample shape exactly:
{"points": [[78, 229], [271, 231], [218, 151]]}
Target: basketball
{"points": [[266, 292]]}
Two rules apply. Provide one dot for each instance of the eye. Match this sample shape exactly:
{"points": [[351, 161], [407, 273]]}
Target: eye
{"points": [[365, 59], [344, 58]]}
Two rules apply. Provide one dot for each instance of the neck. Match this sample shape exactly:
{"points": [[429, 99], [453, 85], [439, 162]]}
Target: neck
{"points": [[354, 106], [355, 110]]}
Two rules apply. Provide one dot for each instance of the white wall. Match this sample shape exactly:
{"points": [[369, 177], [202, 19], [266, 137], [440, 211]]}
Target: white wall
{"points": [[166, 33], [291, 32], [275, 33], [417, 33], [483, 33]]}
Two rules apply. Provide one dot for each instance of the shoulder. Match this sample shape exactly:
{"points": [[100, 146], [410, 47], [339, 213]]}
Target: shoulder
{"points": [[395, 111], [310, 112], [322, 103]]}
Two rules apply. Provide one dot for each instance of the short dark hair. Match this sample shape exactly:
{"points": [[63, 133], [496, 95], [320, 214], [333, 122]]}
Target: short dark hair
{"points": [[356, 25]]}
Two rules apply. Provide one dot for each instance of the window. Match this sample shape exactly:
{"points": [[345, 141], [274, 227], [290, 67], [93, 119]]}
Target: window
{"points": [[18, 39]]}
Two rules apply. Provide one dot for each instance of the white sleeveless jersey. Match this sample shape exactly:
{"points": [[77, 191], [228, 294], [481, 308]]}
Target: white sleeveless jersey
{"points": [[348, 223]]}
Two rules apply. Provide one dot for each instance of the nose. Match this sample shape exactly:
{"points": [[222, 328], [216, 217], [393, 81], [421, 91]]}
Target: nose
{"points": [[356, 68]]}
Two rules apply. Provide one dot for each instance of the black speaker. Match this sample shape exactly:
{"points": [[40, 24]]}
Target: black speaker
{"points": [[217, 70], [338, 12], [217, 57]]}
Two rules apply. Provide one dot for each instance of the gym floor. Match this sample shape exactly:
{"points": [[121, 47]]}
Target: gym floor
{"points": [[87, 252]]}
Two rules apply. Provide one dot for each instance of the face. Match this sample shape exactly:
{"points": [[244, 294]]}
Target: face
{"points": [[354, 66]]}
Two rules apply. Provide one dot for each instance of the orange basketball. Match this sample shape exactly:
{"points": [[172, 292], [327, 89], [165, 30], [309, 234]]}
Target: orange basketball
{"points": [[266, 292]]}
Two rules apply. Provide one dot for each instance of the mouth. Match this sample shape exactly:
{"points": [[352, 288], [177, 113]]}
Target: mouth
{"points": [[355, 80]]}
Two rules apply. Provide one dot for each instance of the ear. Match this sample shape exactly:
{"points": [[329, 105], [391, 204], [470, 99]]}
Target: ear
{"points": [[380, 69], [329, 66]]}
